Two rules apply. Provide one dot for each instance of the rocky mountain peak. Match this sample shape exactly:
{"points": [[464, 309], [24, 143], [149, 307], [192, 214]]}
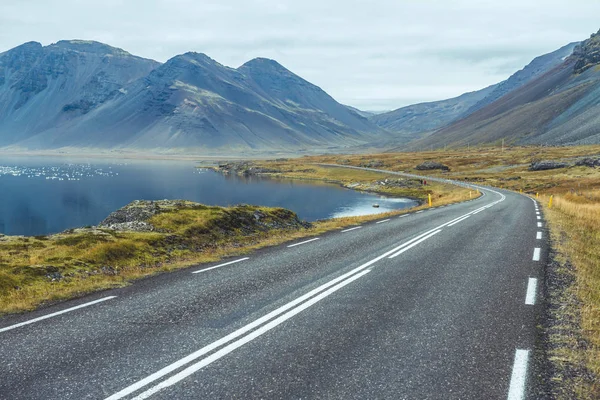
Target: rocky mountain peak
{"points": [[587, 54], [89, 46]]}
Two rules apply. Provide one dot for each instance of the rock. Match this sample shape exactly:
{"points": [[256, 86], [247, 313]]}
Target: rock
{"points": [[431, 165], [373, 164], [135, 216], [588, 162], [546, 165]]}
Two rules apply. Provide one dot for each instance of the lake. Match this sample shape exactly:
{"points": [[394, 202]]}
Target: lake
{"points": [[42, 195]]}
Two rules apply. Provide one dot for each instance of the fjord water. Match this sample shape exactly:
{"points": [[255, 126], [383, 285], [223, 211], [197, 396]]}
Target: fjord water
{"points": [[42, 195]]}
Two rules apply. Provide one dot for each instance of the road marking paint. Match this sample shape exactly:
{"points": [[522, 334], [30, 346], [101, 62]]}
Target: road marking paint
{"points": [[538, 217], [306, 241], [381, 222], [351, 229], [531, 291], [536, 254], [246, 339], [221, 265], [518, 378], [460, 220], [31, 321], [538, 236], [405, 215], [419, 212], [414, 244], [537, 213], [539, 224]]}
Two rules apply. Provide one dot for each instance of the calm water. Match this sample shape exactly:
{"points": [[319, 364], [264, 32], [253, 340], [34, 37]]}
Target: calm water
{"points": [[43, 195]]}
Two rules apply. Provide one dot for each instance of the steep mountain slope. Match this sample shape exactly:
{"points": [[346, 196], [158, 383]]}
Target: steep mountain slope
{"points": [[537, 67], [42, 86], [559, 107], [416, 121], [413, 121]]}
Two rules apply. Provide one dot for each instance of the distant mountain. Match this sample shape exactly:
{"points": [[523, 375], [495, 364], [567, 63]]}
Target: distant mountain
{"points": [[362, 113], [42, 87], [561, 106], [89, 95], [537, 67], [414, 121]]}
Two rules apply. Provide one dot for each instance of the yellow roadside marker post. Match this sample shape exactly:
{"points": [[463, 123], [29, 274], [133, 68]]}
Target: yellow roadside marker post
{"points": [[550, 202], [429, 196]]}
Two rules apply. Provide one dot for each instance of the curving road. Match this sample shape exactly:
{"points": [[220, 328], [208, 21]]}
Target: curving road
{"points": [[439, 304]]}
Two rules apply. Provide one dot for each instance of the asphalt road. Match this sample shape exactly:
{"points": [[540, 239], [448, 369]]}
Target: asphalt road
{"points": [[440, 304]]}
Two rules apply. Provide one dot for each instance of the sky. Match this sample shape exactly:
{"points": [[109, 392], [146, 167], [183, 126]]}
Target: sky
{"points": [[375, 55]]}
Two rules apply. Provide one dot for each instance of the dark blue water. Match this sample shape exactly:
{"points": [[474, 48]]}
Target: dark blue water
{"points": [[41, 195]]}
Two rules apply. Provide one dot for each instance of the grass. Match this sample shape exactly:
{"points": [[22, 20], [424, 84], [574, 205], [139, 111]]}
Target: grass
{"points": [[575, 222]]}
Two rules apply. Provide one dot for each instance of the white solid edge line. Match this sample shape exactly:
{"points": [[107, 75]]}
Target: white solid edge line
{"points": [[31, 321], [306, 241], [531, 291], [221, 265], [538, 235], [518, 378], [536, 254], [246, 339], [351, 229], [460, 220], [415, 243], [381, 222]]}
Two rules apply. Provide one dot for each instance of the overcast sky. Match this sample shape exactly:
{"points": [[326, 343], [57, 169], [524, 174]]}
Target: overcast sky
{"points": [[375, 55]]}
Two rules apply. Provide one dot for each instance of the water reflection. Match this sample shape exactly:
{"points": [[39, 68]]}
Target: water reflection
{"points": [[44, 195]]}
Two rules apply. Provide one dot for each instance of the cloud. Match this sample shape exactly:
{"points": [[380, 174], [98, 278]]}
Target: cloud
{"points": [[373, 55]]}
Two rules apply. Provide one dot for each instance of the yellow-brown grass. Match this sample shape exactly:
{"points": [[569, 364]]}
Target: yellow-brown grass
{"points": [[575, 222]]}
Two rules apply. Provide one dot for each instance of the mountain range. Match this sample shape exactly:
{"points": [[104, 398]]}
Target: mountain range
{"points": [[87, 96]]}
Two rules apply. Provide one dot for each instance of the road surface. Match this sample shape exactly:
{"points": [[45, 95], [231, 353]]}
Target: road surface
{"points": [[438, 304]]}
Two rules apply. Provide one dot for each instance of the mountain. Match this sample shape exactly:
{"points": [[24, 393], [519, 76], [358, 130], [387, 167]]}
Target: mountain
{"points": [[414, 121], [558, 107], [93, 96], [40, 87], [362, 113], [537, 67]]}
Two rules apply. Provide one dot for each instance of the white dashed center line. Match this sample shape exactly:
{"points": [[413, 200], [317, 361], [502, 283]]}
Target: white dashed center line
{"points": [[519, 375], [306, 241], [536, 254], [531, 291], [351, 229], [381, 222]]}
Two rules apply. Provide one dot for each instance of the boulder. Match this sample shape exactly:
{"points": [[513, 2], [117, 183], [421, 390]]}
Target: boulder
{"points": [[546, 165], [431, 165]]}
